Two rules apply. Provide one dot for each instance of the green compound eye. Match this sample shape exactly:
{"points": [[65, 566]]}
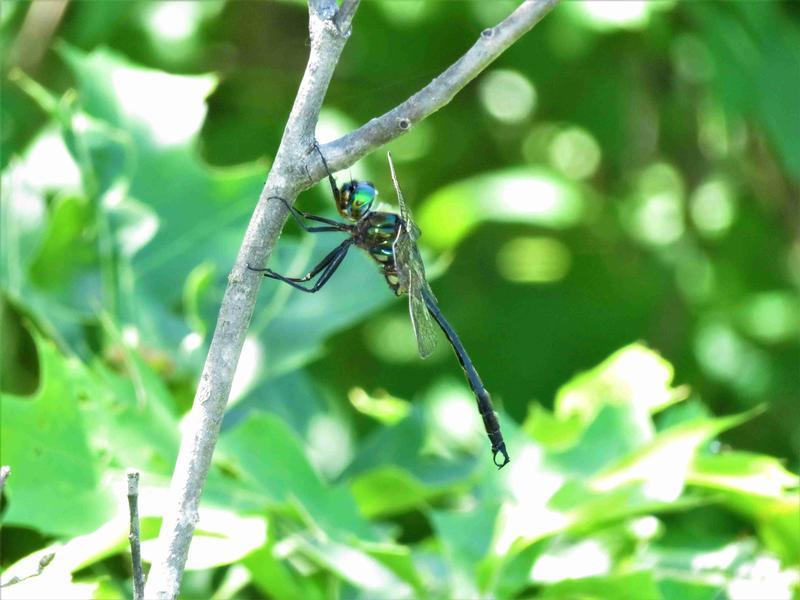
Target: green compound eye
{"points": [[363, 196]]}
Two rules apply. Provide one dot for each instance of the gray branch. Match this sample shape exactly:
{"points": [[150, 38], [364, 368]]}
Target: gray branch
{"points": [[134, 536], [294, 170], [345, 151], [286, 178]]}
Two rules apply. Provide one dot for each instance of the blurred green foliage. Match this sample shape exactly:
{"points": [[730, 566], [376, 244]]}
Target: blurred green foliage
{"points": [[611, 214]]}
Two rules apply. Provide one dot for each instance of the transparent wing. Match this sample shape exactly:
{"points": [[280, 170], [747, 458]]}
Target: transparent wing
{"points": [[411, 275], [405, 212]]}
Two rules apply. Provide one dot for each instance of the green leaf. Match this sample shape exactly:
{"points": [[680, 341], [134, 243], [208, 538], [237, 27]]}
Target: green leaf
{"points": [[634, 375], [604, 414], [384, 408], [761, 489], [272, 574], [753, 474], [268, 457], [65, 255], [631, 586], [388, 490], [466, 538], [57, 485], [393, 457], [664, 463], [676, 589], [614, 432], [739, 569], [359, 568], [400, 560]]}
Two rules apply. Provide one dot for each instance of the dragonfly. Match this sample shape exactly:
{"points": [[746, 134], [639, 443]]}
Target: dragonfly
{"points": [[391, 240]]}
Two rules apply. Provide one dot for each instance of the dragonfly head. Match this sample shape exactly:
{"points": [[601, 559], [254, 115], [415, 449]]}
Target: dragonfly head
{"points": [[355, 199]]}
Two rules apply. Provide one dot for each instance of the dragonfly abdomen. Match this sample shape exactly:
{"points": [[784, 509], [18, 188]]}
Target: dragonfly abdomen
{"points": [[485, 407]]}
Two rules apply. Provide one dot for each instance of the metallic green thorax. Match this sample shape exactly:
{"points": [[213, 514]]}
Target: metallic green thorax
{"points": [[376, 233]]}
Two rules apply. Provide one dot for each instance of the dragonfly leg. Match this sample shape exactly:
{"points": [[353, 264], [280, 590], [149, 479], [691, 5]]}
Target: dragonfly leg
{"points": [[327, 266], [299, 215], [334, 187]]}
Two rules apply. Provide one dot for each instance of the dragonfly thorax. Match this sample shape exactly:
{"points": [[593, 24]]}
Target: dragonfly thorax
{"points": [[355, 199], [376, 232]]}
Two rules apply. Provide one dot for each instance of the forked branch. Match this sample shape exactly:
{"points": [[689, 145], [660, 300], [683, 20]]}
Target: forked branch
{"points": [[343, 152], [294, 170]]}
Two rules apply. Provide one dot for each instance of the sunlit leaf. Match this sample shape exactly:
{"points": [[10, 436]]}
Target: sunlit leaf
{"points": [[356, 567], [760, 488], [663, 464]]}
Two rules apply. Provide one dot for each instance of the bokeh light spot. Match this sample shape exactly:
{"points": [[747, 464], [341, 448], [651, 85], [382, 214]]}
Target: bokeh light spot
{"points": [[538, 199], [453, 415], [329, 443], [408, 12], [772, 316], [645, 528], [656, 216], [507, 95], [174, 21], [613, 14], [575, 153], [725, 356], [691, 59], [530, 196], [719, 133], [712, 208], [533, 260], [659, 219]]}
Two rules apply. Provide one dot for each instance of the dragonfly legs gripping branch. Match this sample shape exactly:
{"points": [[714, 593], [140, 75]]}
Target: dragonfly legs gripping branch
{"points": [[391, 240]]}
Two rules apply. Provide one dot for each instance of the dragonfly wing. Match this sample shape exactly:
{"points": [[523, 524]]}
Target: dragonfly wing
{"points": [[424, 325], [405, 212], [411, 275]]}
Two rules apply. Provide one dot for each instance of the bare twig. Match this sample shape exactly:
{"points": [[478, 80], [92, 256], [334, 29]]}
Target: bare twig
{"points": [[293, 171], [345, 16], [133, 536], [43, 562]]}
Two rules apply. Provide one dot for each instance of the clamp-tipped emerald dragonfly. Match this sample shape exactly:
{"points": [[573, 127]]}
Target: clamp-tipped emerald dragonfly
{"points": [[391, 240]]}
